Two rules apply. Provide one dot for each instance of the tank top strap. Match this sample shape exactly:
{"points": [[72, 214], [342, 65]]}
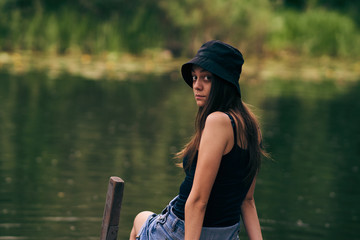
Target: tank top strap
{"points": [[233, 126]]}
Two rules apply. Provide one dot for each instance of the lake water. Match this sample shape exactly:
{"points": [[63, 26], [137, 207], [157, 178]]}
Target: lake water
{"points": [[61, 139]]}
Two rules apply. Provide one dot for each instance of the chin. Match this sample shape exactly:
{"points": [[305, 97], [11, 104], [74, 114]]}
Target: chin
{"points": [[200, 104]]}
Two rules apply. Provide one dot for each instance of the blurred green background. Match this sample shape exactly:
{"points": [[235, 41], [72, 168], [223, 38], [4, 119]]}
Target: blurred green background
{"points": [[314, 27], [92, 89]]}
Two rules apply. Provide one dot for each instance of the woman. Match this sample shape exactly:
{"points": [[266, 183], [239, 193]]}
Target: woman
{"points": [[221, 160]]}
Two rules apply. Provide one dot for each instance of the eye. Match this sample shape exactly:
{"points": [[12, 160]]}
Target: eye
{"points": [[194, 78], [207, 78]]}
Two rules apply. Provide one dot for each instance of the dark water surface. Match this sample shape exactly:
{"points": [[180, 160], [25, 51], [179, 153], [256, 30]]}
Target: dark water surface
{"points": [[61, 139]]}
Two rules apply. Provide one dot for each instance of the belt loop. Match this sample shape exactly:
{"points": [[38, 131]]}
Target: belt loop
{"points": [[164, 214]]}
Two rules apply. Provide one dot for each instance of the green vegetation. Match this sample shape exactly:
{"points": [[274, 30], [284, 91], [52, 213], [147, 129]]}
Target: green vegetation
{"points": [[312, 28], [316, 32], [70, 29]]}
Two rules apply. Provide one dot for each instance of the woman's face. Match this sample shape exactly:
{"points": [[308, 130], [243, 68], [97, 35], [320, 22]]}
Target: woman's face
{"points": [[201, 84]]}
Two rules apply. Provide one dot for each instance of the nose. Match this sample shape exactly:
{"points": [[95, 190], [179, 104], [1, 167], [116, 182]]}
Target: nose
{"points": [[197, 85]]}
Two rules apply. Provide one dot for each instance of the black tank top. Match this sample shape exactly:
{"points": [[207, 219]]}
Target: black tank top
{"points": [[228, 192]]}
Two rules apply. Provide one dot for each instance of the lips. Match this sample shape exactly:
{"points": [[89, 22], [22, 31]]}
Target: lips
{"points": [[199, 96]]}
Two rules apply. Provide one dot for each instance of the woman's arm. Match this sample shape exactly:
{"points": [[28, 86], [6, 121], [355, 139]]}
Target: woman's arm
{"points": [[216, 137], [249, 215]]}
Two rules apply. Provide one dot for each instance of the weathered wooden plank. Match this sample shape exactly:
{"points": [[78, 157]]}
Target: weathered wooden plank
{"points": [[110, 223]]}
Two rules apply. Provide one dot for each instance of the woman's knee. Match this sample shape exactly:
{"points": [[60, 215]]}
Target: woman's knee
{"points": [[140, 220]]}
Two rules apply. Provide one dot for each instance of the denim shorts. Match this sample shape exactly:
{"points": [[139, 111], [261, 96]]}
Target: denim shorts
{"points": [[168, 226]]}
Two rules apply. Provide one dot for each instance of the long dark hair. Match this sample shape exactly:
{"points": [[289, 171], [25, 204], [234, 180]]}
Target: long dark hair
{"points": [[224, 98]]}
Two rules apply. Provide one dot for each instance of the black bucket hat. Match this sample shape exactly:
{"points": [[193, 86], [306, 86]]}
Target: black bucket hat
{"points": [[218, 58]]}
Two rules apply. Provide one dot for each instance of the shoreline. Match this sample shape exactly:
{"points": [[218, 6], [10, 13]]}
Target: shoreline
{"points": [[114, 66]]}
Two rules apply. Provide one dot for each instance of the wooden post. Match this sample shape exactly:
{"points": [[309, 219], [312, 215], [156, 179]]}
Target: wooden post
{"points": [[110, 223]]}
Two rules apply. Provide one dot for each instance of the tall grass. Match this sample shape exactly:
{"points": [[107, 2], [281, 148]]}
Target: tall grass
{"points": [[314, 32], [254, 26], [67, 30]]}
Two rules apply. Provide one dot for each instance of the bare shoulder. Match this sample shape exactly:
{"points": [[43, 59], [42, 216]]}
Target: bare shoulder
{"points": [[218, 119], [218, 126]]}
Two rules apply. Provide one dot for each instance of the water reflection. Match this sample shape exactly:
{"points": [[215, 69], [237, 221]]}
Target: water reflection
{"points": [[62, 138], [314, 137]]}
